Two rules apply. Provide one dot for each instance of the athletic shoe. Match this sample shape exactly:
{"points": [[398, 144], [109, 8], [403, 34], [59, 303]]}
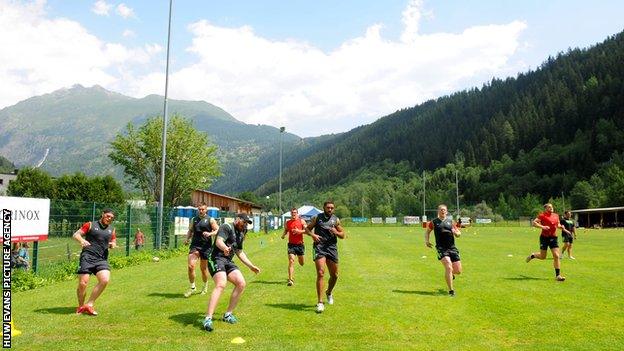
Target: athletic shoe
{"points": [[89, 310], [208, 324], [204, 290], [290, 282], [529, 258], [80, 309], [560, 278], [189, 292], [229, 318], [452, 293], [330, 298], [572, 258], [320, 307]]}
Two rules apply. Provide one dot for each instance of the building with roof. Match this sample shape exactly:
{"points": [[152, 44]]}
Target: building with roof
{"points": [[607, 217], [224, 202]]}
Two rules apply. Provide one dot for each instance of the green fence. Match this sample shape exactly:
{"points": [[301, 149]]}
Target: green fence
{"points": [[68, 216]]}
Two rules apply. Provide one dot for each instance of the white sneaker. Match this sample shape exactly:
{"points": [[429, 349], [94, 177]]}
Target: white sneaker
{"points": [[572, 258], [330, 298], [204, 291], [189, 292], [320, 307]]}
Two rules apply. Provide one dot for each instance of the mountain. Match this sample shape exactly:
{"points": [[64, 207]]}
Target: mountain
{"points": [[540, 132], [6, 166], [69, 130]]}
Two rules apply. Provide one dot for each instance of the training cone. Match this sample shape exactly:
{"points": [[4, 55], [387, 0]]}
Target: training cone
{"points": [[238, 340], [14, 332]]}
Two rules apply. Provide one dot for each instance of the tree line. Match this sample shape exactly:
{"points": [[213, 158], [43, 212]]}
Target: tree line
{"points": [[558, 129]]}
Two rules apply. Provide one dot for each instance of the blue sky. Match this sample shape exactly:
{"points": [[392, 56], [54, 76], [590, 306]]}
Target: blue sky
{"points": [[285, 63]]}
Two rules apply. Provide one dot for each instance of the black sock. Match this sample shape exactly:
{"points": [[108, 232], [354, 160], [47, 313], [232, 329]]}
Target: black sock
{"points": [[532, 256], [557, 270]]}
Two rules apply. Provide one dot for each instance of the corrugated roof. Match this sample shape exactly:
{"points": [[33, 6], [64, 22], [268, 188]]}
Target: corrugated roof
{"points": [[604, 209]]}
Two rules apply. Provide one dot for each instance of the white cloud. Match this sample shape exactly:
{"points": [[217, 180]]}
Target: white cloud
{"points": [[282, 83], [292, 83], [124, 11], [101, 8], [48, 54], [128, 33]]}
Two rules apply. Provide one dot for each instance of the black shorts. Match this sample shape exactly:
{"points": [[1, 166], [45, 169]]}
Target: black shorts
{"points": [[91, 265], [221, 264], [329, 252], [452, 253], [296, 249], [204, 251], [567, 238], [548, 242]]}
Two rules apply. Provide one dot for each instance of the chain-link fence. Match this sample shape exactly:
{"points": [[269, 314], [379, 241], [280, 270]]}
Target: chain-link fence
{"points": [[68, 216]]}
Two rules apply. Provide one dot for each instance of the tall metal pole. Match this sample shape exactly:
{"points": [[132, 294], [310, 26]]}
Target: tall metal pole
{"points": [[424, 214], [164, 139], [282, 129], [457, 193]]}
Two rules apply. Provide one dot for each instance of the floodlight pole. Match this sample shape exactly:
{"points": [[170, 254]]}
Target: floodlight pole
{"points": [[457, 192], [424, 214], [164, 139], [282, 129]]}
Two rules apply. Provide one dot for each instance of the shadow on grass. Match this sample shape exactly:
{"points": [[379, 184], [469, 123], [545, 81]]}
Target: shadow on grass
{"points": [[420, 292], [523, 277], [57, 310], [186, 319], [168, 295], [292, 306], [274, 282]]}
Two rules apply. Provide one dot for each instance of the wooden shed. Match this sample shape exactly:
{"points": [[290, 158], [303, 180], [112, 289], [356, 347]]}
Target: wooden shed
{"points": [[224, 202]]}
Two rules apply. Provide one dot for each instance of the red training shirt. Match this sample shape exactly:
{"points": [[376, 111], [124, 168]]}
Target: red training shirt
{"points": [[292, 237], [552, 221]]}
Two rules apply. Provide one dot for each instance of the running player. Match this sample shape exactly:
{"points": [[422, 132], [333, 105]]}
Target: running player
{"points": [[548, 222], [295, 229], [445, 233], [327, 229], [99, 236], [201, 230], [568, 232], [229, 242]]}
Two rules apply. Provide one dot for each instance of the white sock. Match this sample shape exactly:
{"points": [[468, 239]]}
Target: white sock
{"points": [[192, 285]]}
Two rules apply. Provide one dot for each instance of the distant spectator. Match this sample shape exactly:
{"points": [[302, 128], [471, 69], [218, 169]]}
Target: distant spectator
{"points": [[139, 239], [22, 260]]}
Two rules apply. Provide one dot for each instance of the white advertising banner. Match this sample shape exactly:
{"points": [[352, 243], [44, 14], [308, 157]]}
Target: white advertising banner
{"points": [[29, 217]]}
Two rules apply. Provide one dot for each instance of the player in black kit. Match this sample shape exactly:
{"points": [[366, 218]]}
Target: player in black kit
{"points": [[445, 234], [99, 236], [327, 229]]}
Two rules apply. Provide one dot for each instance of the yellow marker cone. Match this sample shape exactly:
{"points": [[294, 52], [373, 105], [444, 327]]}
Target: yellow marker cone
{"points": [[14, 332], [238, 340]]}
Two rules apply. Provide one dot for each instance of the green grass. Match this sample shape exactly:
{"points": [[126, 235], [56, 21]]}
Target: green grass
{"points": [[387, 298]]}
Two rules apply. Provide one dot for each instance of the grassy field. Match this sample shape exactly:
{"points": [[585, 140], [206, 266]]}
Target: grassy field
{"points": [[389, 297]]}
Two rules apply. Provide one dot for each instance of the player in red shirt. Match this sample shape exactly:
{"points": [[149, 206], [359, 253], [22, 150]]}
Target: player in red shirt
{"points": [[99, 236], [295, 230], [548, 222]]}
